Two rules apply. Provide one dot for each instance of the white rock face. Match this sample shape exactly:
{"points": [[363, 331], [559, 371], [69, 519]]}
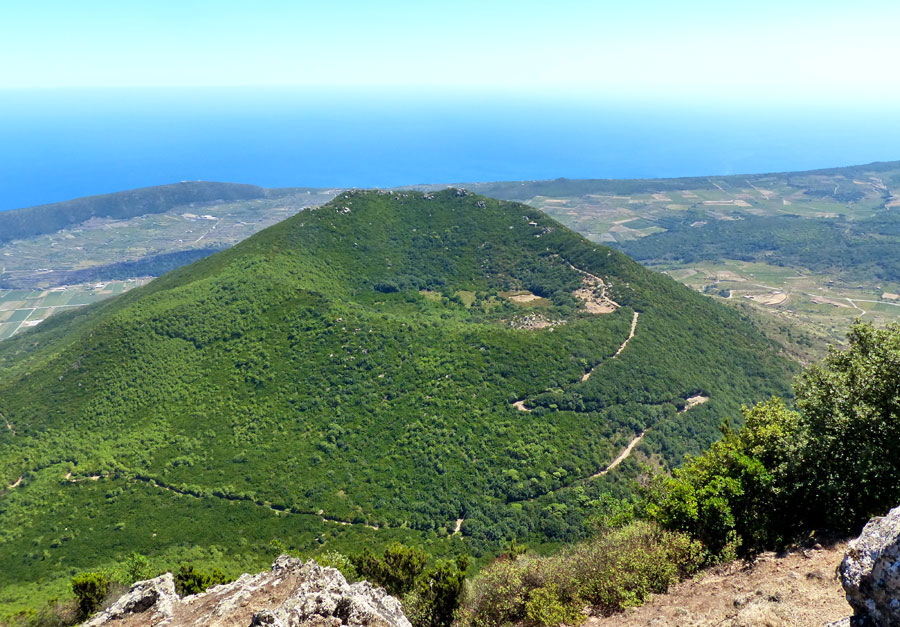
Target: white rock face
{"points": [[870, 573], [154, 597], [292, 594]]}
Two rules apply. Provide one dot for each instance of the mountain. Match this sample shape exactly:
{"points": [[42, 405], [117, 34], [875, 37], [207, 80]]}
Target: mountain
{"points": [[439, 368]]}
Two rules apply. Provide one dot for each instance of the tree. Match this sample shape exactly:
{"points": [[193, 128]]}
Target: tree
{"points": [[850, 407], [396, 571], [90, 589]]}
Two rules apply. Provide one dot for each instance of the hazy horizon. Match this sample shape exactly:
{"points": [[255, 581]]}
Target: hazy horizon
{"points": [[62, 144], [357, 94]]}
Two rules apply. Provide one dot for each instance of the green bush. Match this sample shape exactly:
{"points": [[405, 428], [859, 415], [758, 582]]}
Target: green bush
{"points": [[90, 589], [437, 594], [396, 570], [619, 569], [333, 559], [135, 568], [544, 607], [188, 580]]}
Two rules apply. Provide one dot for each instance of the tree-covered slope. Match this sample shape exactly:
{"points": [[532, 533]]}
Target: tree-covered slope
{"points": [[395, 361]]}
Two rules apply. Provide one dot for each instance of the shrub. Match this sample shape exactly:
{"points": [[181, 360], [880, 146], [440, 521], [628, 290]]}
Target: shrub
{"points": [[396, 571], [624, 567], [90, 589], [136, 568], [437, 594], [619, 569], [333, 559], [544, 607], [188, 580]]}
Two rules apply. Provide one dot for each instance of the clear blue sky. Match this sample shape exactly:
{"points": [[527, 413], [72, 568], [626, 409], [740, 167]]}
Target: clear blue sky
{"points": [[760, 49]]}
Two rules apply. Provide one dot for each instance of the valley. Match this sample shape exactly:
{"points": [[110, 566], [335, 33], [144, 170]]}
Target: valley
{"points": [[347, 378]]}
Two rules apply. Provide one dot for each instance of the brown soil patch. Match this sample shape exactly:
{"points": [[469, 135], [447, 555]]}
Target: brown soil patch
{"points": [[693, 401], [593, 294], [796, 590], [594, 303], [890, 296], [520, 405], [661, 198], [527, 297], [727, 275], [775, 298]]}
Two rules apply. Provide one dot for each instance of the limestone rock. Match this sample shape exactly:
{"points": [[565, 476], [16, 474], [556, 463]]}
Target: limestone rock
{"points": [[292, 594], [870, 573], [156, 594]]}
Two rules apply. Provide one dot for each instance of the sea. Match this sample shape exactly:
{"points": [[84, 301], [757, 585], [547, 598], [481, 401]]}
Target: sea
{"points": [[58, 144]]}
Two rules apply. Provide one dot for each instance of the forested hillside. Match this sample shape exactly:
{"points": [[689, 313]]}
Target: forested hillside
{"points": [[388, 366], [860, 248]]}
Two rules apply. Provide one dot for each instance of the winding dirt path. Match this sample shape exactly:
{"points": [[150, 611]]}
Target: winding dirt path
{"points": [[634, 322], [520, 404], [622, 456], [690, 403], [263, 504], [8, 424]]}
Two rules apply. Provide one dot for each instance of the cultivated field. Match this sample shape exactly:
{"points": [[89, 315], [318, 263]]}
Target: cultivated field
{"points": [[23, 309]]}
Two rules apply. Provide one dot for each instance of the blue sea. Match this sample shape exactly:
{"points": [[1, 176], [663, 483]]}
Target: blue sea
{"points": [[61, 144]]}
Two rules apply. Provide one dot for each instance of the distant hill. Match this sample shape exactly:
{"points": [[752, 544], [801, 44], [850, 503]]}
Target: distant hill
{"points": [[526, 190], [391, 365], [32, 221]]}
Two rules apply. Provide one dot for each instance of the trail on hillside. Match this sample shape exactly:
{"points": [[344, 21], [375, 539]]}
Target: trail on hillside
{"points": [[622, 456], [8, 424], [263, 504], [634, 322], [689, 403], [520, 404]]}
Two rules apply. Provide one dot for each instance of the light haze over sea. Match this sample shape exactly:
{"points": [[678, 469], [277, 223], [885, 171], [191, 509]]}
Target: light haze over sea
{"points": [[57, 144]]}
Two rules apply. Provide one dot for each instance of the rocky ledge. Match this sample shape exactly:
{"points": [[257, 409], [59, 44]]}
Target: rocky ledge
{"points": [[292, 594], [870, 573]]}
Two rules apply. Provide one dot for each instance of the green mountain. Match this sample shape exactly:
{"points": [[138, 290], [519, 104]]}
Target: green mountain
{"points": [[391, 365]]}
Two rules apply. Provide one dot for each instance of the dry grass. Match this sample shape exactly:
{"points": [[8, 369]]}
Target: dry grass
{"points": [[796, 590]]}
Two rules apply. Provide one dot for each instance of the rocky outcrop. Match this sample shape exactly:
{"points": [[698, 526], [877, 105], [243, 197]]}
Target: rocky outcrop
{"points": [[870, 573], [292, 594], [154, 597]]}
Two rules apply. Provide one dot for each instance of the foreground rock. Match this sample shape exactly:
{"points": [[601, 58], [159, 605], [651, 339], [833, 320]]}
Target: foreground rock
{"points": [[292, 594], [870, 573]]}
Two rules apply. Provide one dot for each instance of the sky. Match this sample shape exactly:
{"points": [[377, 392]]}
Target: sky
{"points": [[760, 50]]}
